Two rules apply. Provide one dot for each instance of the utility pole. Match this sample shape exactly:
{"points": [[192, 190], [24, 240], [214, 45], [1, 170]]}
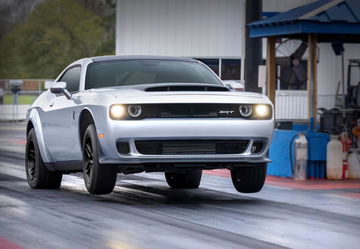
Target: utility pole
{"points": [[253, 49]]}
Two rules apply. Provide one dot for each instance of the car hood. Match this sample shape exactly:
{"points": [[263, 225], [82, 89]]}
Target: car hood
{"points": [[140, 95]]}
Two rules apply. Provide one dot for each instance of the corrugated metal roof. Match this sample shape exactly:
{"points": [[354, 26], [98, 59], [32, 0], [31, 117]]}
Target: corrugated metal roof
{"points": [[323, 16], [321, 11]]}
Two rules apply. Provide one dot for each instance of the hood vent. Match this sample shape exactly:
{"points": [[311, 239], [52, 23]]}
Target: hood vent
{"points": [[187, 88]]}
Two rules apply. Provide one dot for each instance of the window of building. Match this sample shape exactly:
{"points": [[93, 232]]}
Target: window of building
{"points": [[230, 69], [354, 72], [226, 69], [211, 63]]}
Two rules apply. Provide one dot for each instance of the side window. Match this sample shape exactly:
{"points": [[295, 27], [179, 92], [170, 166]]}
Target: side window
{"points": [[72, 79]]}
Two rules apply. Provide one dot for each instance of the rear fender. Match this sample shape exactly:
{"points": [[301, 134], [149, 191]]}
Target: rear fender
{"points": [[34, 118]]}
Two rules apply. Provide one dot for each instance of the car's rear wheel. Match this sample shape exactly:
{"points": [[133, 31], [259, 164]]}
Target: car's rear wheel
{"points": [[99, 179], [188, 179], [249, 179], [37, 175]]}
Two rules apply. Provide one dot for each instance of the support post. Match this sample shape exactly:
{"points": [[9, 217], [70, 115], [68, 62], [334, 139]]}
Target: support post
{"points": [[253, 48], [271, 69], [312, 81]]}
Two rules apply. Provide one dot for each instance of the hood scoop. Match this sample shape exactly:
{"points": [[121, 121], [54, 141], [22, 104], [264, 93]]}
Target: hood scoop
{"points": [[189, 88]]}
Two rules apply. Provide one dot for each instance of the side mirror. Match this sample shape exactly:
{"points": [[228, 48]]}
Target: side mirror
{"points": [[60, 87]]}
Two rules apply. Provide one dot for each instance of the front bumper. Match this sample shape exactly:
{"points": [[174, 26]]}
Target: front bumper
{"points": [[181, 129]]}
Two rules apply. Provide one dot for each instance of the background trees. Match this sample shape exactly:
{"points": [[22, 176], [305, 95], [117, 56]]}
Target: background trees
{"points": [[56, 33]]}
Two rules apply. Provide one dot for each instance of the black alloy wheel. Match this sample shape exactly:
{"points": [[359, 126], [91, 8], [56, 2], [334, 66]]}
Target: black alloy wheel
{"points": [[99, 179], [88, 159], [30, 165], [37, 175]]}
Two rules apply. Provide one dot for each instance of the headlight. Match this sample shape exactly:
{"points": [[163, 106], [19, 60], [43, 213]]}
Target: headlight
{"points": [[117, 111], [134, 110], [245, 110], [262, 111]]}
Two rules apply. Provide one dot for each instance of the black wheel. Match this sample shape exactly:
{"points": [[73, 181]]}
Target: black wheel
{"points": [[249, 179], [188, 179], [37, 175], [99, 179]]}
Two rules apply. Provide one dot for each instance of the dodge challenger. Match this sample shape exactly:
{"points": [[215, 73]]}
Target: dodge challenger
{"points": [[130, 114]]}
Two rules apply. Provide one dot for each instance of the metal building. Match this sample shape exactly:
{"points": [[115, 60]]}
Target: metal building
{"points": [[214, 32]]}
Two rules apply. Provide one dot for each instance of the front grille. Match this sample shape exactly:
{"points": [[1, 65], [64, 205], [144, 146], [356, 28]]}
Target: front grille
{"points": [[190, 111], [191, 147]]}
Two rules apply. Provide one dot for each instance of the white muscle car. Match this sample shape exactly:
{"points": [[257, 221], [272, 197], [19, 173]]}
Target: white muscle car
{"points": [[130, 114]]}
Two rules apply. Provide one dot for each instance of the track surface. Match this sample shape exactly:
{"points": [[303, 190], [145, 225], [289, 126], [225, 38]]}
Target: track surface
{"points": [[142, 212]]}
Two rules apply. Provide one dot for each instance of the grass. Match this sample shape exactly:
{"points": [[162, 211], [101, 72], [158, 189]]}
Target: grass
{"points": [[22, 100]]}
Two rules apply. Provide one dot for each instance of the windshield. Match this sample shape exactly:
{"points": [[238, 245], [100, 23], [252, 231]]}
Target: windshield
{"points": [[134, 72]]}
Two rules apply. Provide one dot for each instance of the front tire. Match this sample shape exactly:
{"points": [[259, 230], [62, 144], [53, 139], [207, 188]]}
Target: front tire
{"points": [[37, 175], [99, 179], [249, 179], [189, 179]]}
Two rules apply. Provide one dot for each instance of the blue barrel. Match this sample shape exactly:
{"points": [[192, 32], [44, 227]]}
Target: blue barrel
{"points": [[281, 153], [317, 144]]}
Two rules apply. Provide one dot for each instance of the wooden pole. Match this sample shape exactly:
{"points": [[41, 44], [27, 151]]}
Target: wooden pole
{"points": [[271, 70], [312, 81]]}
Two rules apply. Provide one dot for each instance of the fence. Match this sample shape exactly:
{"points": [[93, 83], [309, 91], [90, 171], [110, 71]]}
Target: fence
{"points": [[13, 107], [12, 112], [292, 105]]}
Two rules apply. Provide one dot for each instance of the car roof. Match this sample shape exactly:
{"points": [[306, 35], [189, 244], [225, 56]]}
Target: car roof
{"points": [[139, 57]]}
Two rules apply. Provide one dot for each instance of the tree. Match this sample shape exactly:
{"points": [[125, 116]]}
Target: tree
{"points": [[55, 34]]}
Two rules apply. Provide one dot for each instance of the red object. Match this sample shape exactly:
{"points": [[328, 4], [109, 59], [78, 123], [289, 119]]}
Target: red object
{"points": [[345, 171], [6, 244], [347, 143], [316, 184]]}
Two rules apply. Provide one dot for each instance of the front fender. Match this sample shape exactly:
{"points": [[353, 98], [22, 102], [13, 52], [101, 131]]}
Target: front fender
{"points": [[34, 118]]}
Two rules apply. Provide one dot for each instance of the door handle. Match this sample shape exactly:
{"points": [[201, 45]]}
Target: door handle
{"points": [[51, 105]]}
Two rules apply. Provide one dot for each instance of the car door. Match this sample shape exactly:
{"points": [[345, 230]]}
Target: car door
{"points": [[60, 119]]}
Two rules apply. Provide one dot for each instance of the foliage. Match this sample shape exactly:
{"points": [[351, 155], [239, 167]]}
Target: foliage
{"points": [[22, 100], [55, 34]]}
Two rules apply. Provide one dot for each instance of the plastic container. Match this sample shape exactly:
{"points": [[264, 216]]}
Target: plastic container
{"points": [[316, 164], [281, 153], [354, 164], [301, 157], [334, 159]]}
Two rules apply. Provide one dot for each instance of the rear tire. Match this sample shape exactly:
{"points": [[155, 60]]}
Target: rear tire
{"points": [[249, 179], [189, 179], [99, 179], [37, 175]]}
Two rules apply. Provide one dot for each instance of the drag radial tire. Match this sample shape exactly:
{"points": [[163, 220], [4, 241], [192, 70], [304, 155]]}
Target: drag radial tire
{"points": [[99, 179], [249, 179], [37, 175], [188, 179]]}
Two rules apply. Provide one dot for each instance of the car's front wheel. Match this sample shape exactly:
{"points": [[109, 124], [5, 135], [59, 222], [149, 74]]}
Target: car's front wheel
{"points": [[249, 179], [37, 175], [99, 179], [188, 179]]}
